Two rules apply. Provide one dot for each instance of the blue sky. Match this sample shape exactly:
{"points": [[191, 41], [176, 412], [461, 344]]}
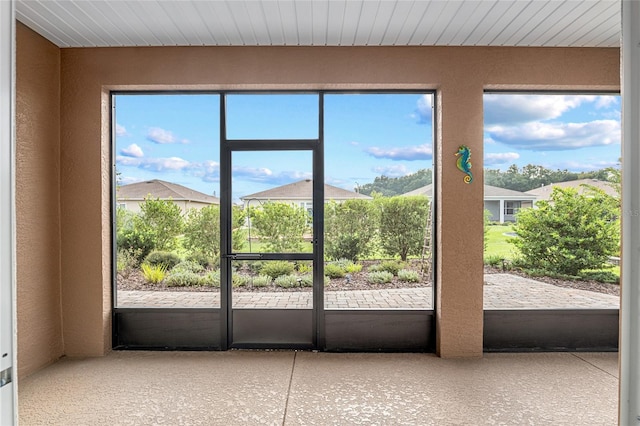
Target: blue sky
{"points": [[573, 132], [176, 137]]}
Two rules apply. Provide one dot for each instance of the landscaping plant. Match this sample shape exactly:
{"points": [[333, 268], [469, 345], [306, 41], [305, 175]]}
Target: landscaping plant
{"points": [[570, 232]]}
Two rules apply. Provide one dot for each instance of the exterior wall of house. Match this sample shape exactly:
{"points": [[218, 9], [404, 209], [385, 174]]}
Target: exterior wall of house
{"points": [[494, 208], [185, 206], [459, 74], [37, 169]]}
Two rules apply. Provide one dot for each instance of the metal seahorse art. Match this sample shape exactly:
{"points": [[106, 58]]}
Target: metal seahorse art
{"points": [[464, 162]]}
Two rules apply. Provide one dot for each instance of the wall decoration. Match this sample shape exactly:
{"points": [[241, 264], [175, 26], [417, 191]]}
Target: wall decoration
{"points": [[464, 162]]}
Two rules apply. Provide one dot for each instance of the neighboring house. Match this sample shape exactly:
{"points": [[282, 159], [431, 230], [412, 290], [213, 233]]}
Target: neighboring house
{"points": [[544, 192], [503, 204], [299, 193], [131, 196]]}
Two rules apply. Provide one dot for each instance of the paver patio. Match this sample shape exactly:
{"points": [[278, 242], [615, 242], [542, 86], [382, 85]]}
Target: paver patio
{"points": [[501, 291]]}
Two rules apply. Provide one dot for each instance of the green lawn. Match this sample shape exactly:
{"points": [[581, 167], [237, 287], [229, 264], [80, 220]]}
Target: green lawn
{"points": [[497, 242]]}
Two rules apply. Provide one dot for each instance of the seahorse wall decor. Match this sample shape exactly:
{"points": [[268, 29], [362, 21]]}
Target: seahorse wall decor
{"points": [[464, 162]]}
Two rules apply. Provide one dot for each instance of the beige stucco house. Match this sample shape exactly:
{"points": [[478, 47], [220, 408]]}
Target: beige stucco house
{"points": [[132, 195]]}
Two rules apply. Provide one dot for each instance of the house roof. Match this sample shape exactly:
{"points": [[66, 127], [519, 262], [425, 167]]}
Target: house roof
{"points": [[163, 190], [544, 192], [302, 190], [103, 23], [490, 193]]}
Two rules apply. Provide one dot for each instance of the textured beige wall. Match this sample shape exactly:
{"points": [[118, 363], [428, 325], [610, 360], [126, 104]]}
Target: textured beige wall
{"points": [[37, 201], [459, 74]]}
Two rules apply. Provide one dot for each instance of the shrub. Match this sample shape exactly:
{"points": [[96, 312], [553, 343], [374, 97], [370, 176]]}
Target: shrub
{"points": [[240, 280], [204, 261], [306, 280], [402, 224], [277, 268], [494, 261], [304, 267], [350, 227], [261, 281], [600, 276], [408, 275], [126, 262], [391, 266], [353, 268], [211, 279], [280, 225], [334, 271], [256, 266], [161, 220], [287, 281], [380, 277], [139, 244], [188, 266], [570, 232], [153, 273], [165, 258], [183, 279], [202, 231]]}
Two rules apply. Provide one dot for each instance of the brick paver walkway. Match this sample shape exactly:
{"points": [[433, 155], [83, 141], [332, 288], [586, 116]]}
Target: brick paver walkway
{"points": [[501, 291]]}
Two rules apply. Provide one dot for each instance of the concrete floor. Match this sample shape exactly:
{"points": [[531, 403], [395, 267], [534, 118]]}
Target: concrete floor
{"points": [[307, 388]]}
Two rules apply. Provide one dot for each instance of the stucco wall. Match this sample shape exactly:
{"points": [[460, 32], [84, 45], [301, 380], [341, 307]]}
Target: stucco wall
{"points": [[37, 201], [458, 74]]}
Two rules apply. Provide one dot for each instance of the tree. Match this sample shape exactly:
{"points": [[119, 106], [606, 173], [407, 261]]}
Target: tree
{"points": [[202, 231], [281, 226], [570, 232], [350, 227], [131, 242], [402, 223], [389, 186], [162, 221], [238, 230]]}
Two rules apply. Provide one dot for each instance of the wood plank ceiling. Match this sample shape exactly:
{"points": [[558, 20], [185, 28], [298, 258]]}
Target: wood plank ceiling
{"points": [[551, 23]]}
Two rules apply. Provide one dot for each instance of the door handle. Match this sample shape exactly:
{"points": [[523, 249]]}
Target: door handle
{"points": [[244, 256]]}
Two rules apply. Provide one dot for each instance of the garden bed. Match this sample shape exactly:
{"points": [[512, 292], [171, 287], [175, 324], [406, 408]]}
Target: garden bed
{"points": [[352, 281]]}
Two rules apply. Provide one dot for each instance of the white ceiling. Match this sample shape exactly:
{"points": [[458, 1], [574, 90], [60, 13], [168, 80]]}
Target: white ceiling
{"points": [[89, 23]]}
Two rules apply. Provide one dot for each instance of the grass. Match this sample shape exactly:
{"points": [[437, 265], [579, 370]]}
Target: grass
{"points": [[497, 242]]}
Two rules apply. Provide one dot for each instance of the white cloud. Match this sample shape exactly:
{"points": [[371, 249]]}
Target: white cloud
{"points": [[120, 130], [128, 161], [500, 158], [512, 109], [265, 175], [132, 150], [606, 101], [392, 171], [162, 136], [208, 171], [164, 164], [424, 109], [408, 153], [584, 166], [258, 174], [538, 136], [154, 164]]}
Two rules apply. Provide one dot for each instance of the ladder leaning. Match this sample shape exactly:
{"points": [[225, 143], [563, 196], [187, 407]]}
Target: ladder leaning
{"points": [[427, 246]]}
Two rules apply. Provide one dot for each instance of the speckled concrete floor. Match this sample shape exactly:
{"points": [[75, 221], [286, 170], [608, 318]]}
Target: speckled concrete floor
{"points": [[307, 388]]}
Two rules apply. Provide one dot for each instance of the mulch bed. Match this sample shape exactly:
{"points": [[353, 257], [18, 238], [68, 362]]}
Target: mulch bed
{"points": [[358, 281]]}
